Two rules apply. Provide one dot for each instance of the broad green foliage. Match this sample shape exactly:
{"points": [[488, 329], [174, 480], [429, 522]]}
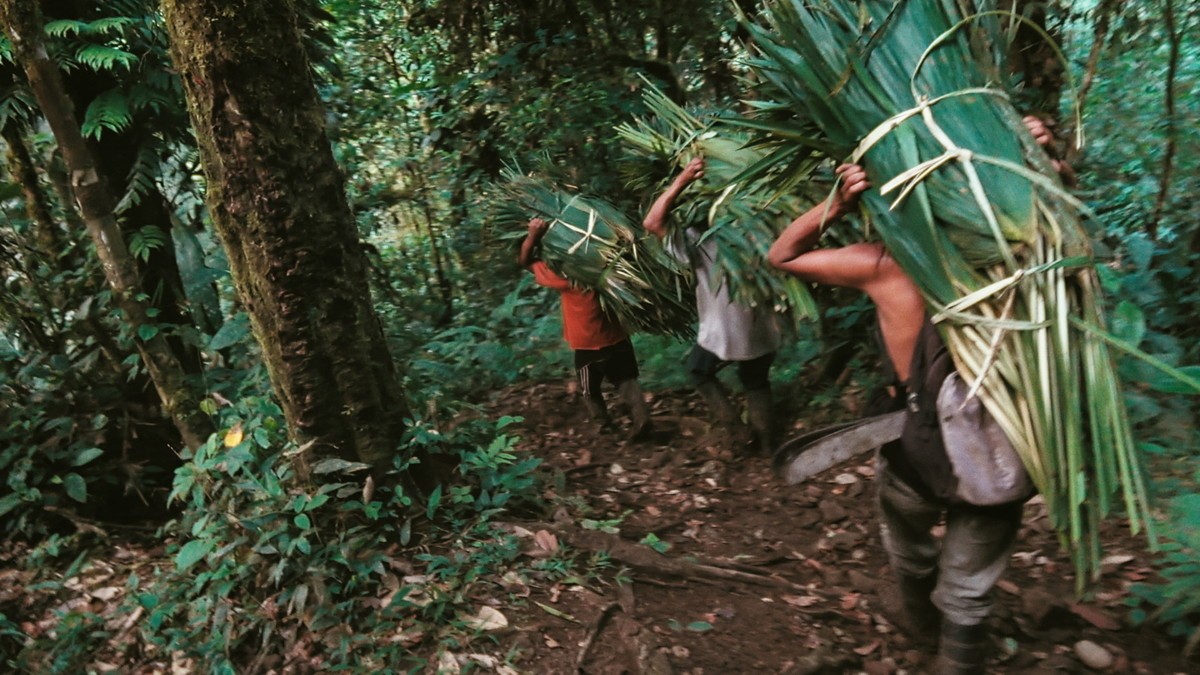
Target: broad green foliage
{"points": [[259, 557]]}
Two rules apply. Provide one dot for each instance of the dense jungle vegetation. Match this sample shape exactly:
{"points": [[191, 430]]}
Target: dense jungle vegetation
{"points": [[256, 303]]}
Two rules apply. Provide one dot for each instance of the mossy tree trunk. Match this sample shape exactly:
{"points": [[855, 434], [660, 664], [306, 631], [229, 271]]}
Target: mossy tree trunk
{"points": [[22, 22], [276, 197]]}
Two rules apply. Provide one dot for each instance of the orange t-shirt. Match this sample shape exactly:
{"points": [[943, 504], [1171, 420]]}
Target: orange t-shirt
{"points": [[585, 325]]}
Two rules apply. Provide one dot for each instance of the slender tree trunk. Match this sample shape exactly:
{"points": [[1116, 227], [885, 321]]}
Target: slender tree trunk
{"points": [[46, 239], [1101, 23], [1168, 162], [445, 287], [46, 231], [22, 23], [276, 197]]}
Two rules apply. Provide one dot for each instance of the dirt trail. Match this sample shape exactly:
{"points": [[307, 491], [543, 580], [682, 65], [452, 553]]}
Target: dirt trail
{"points": [[815, 547]]}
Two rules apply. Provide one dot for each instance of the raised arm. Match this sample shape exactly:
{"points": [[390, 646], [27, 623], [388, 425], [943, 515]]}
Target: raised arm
{"points": [[1045, 138], [793, 251], [537, 229], [655, 221]]}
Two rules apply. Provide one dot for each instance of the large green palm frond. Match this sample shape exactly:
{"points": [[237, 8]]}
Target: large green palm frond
{"points": [[593, 244], [740, 213]]}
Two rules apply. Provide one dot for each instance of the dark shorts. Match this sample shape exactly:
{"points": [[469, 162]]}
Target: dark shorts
{"points": [[615, 363], [702, 366]]}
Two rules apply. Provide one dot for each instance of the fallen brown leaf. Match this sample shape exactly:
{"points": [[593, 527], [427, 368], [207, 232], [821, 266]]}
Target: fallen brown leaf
{"points": [[801, 600], [867, 648], [1095, 616]]}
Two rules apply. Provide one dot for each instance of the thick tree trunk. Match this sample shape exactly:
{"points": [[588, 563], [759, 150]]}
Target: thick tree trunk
{"points": [[276, 197], [22, 23]]}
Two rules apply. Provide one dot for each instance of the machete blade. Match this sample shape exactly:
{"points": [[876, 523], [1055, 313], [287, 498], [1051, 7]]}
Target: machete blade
{"points": [[804, 457]]}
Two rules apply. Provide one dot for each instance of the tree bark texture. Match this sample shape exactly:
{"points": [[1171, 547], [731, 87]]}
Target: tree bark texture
{"points": [[22, 24], [276, 197]]}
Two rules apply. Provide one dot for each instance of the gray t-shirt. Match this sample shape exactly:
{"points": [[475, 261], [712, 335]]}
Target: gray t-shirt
{"points": [[727, 329]]}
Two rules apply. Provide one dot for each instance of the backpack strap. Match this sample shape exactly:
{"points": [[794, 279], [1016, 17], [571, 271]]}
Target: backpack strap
{"points": [[921, 444]]}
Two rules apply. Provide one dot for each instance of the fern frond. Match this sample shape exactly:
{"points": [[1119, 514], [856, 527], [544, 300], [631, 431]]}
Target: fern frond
{"points": [[143, 176], [111, 24], [63, 28], [16, 103], [110, 111], [103, 57], [142, 98]]}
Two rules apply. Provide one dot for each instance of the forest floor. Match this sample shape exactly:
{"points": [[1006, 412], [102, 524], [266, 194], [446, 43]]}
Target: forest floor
{"points": [[809, 560], [714, 567]]}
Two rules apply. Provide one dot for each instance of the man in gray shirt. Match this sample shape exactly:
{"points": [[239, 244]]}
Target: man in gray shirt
{"points": [[729, 332]]}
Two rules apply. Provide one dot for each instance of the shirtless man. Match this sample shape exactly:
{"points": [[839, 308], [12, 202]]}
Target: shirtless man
{"points": [[951, 586]]}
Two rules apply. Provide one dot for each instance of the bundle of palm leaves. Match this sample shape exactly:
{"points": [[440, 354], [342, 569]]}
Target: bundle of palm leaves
{"points": [[977, 217], [740, 214], [593, 244]]}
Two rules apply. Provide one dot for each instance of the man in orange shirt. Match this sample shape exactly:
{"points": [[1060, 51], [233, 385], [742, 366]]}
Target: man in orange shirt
{"points": [[602, 347]]}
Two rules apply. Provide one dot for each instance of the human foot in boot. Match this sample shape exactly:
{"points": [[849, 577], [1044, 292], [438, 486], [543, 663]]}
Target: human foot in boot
{"points": [[758, 410], [639, 412], [598, 412], [907, 605], [961, 649]]}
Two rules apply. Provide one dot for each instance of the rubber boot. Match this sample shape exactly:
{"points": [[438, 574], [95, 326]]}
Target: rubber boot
{"points": [[597, 411], [911, 609], [725, 417], [961, 649], [758, 410], [631, 394], [718, 402]]}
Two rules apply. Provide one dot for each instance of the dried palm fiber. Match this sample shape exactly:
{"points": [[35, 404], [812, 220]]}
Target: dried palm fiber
{"points": [[593, 244], [909, 89], [741, 215]]}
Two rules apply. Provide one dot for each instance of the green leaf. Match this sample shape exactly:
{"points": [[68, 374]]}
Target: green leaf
{"points": [[108, 112], [147, 331], [655, 543], [232, 332], [76, 487], [191, 553], [699, 626], [1129, 323], [1173, 385], [103, 57], [9, 502], [435, 499], [303, 522], [86, 456], [65, 28]]}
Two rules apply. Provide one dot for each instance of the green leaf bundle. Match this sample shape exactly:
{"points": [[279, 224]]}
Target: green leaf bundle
{"points": [[977, 217], [741, 215], [593, 244]]}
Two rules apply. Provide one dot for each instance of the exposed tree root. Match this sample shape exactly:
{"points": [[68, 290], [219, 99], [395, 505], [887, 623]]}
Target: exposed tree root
{"points": [[645, 560]]}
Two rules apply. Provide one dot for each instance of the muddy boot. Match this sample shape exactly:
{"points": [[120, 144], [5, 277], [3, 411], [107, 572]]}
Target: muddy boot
{"points": [[908, 607], [631, 394], [758, 410], [719, 405], [597, 411], [724, 416], [961, 649]]}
